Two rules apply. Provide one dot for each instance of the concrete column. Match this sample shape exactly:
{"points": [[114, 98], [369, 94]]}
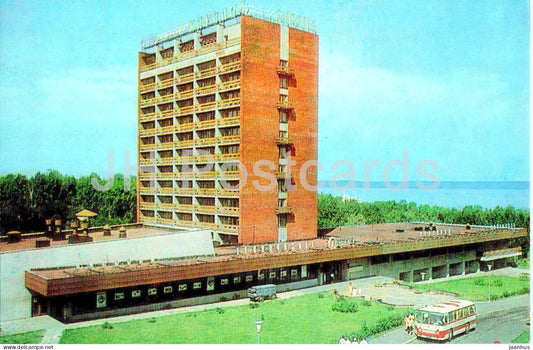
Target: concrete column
{"points": [[177, 44], [430, 273], [463, 267], [158, 53], [220, 33], [197, 44], [447, 270], [321, 275], [411, 276]]}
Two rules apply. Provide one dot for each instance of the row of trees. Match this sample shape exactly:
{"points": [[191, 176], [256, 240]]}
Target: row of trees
{"points": [[333, 212], [27, 202]]}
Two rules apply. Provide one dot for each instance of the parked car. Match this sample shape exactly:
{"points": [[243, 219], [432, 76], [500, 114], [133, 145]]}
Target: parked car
{"points": [[260, 293]]}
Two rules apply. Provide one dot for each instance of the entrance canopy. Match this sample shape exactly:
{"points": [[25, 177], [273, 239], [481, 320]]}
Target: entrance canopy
{"points": [[492, 255]]}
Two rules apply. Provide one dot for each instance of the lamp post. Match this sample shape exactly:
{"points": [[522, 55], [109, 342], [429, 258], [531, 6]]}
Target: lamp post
{"points": [[258, 325], [490, 267], [423, 275]]}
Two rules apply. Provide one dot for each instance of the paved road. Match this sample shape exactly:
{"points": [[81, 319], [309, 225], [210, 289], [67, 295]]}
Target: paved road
{"points": [[501, 320]]}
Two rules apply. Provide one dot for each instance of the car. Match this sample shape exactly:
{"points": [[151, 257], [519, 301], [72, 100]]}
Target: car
{"points": [[262, 292]]}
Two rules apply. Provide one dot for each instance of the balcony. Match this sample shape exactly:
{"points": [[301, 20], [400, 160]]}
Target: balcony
{"points": [[283, 175], [285, 71], [285, 105], [147, 102], [226, 192], [146, 87], [192, 53], [147, 116], [229, 67], [234, 211], [227, 227], [284, 210], [284, 141]]}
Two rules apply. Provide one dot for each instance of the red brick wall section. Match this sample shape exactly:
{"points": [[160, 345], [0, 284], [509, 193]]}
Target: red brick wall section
{"points": [[303, 129], [259, 126]]}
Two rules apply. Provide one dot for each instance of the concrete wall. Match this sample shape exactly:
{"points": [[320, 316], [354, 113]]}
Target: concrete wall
{"points": [[15, 300], [358, 268]]}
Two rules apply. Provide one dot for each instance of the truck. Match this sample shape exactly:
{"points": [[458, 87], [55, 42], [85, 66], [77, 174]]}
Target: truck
{"points": [[260, 293]]}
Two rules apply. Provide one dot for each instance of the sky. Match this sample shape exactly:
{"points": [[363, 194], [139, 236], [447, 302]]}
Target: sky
{"points": [[444, 81]]}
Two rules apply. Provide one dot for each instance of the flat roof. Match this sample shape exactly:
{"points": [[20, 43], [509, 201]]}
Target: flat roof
{"points": [[412, 231], [243, 258], [27, 241]]}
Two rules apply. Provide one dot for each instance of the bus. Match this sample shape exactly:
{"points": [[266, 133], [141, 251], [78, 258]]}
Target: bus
{"points": [[444, 320]]}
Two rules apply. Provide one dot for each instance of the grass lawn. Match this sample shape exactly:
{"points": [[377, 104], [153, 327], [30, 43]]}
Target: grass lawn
{"points": [[34, 337], [523, 338], [476, 288], [307, 319]]}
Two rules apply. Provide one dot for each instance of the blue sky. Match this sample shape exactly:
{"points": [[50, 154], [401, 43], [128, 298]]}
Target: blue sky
{"points": [[448, 81]]}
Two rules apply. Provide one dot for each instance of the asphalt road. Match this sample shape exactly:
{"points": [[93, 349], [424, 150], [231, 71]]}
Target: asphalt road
{"points": [[502, 326]]}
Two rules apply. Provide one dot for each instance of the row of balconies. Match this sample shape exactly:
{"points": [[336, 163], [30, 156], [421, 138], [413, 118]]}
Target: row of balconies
{"points": [[210, 141], [226, 175], [206, 124], [191, 159], [225, 85], [221, 227], [209, 192], [192, 53], [198, 107], [190, 208]]}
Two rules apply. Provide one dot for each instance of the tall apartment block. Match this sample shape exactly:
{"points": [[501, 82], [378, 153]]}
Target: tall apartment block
{"points": [[226, 104]]}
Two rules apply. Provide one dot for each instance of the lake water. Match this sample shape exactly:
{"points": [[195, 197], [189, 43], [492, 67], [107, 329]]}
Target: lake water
{"points": [[448, 194]]}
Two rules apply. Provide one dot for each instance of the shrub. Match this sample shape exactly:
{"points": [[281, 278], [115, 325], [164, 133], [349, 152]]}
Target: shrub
{"points": [[253, 305], [220, 310], [151, 320], [344, 305], [321, 296], [497, 282], [107, 325], [366, 303], [480, 282]]}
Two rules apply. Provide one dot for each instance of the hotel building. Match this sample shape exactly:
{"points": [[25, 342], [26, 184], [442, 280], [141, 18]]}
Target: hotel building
{"points": [[223, 100]]}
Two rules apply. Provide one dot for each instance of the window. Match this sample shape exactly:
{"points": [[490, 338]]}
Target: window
{"points": [[283, 152], [283, 98], [282, 220], [283, 63], [281, 185], [283, 116], [282, 202], [283, 134], [283, 83]]}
